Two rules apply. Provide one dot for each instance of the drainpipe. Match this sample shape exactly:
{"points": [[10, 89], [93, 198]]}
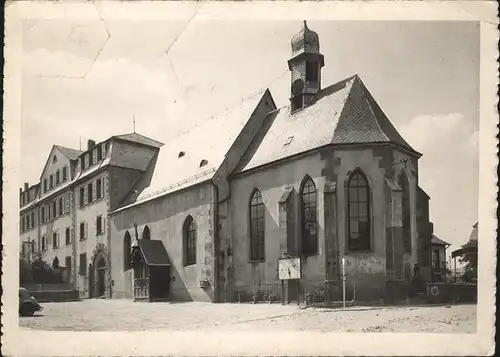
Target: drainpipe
{"points": [[215, 220], [73, 208]]}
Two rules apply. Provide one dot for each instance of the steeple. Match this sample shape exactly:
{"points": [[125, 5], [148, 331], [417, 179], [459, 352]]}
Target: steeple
{"points": [[305, 66]]}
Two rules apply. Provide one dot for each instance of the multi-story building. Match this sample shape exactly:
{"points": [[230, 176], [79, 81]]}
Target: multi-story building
{"points": [[64, 216]]}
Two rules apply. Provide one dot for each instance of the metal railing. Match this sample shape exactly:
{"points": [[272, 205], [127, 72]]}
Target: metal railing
{"points": [[304, 292]]}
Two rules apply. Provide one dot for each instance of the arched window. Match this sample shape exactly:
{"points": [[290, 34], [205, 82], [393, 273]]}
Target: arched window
{"points": [[257, 224], [189, 241], [406, 210], [127, 253], [146, 233], [359, 228], [309, 221]]}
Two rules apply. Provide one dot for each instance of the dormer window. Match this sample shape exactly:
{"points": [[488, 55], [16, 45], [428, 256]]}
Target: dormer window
{"points": [[203, 162], [99, 153], [54, 159], [288, 141], [181, 154]]}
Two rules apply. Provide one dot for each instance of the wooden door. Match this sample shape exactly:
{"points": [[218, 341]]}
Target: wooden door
{"points": [[141, 281]]}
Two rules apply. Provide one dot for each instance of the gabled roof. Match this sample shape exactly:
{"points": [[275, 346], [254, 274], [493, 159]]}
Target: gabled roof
{"points": [[178, 163], [153, 252], [435, 240], [344, 113], [138, 138], [71, 154]]}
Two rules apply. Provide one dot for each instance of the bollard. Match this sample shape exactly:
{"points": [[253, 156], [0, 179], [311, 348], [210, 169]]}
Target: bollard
{"points": [[343, 282]]}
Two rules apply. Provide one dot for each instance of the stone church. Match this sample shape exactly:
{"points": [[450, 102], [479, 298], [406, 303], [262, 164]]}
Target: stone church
{"points": [[207, 215], [325, 177]]}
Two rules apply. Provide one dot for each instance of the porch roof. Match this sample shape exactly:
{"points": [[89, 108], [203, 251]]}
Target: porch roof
{"points": [[154, 252]]}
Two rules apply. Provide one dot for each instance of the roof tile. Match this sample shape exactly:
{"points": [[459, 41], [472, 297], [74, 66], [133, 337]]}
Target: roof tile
{"points": [[344, 113]]}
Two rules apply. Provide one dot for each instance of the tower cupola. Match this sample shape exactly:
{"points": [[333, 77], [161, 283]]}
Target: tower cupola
{"points": [[305, 66], [305, 40]]}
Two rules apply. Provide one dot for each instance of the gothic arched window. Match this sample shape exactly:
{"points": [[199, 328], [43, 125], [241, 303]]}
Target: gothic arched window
{"points": [[406, 210], [189, 241], [257, 225], [309, 220], [359, 232], [146, 233], [127, 253]]}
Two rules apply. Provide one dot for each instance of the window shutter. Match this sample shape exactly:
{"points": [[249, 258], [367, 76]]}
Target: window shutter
{"points": [[86, 230], [94, 188], [103, 224], [66, 201]]}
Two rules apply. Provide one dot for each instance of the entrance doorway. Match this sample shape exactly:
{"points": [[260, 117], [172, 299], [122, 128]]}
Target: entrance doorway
{"points": [[101, 276]]}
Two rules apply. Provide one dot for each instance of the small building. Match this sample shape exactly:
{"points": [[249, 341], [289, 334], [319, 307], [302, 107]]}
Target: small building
{"points": [[439, 267], [151, 270]]}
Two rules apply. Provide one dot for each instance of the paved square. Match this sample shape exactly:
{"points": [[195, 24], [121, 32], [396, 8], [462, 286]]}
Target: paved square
{"points": [[125, 315]]}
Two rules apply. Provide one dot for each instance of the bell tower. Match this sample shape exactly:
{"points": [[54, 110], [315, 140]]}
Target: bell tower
{"points": [[305, 66]]}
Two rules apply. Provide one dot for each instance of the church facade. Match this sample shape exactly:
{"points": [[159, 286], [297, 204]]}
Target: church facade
{"points": [[207, 215], [325, 177]]}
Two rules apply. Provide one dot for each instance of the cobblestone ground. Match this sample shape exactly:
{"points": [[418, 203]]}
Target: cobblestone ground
{"points": [[124, 315]]}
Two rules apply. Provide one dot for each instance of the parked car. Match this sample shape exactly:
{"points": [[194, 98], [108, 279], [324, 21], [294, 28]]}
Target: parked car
{"points": [[27, 303]]}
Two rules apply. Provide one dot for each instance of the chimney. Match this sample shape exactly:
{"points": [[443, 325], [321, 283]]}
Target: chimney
{"points": [[26, 186], [20, 190], [90, 144]]}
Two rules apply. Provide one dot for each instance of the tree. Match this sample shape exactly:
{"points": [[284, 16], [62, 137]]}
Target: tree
{"points": [[469, 258], [44, 273], [25, 272]]}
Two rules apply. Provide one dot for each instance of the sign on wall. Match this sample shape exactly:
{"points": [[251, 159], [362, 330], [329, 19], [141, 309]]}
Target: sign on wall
{"points": [[289, 268]]}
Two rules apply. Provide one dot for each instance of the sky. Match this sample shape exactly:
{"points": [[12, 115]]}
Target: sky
{"points": [[88, 80]]}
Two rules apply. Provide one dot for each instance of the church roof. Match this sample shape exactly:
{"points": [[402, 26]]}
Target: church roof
{"points": [[179, 163], [138, 138], [344, 113]]}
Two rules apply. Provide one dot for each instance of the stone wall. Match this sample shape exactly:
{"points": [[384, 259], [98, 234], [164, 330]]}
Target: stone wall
{"points": [[165, 217]]}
